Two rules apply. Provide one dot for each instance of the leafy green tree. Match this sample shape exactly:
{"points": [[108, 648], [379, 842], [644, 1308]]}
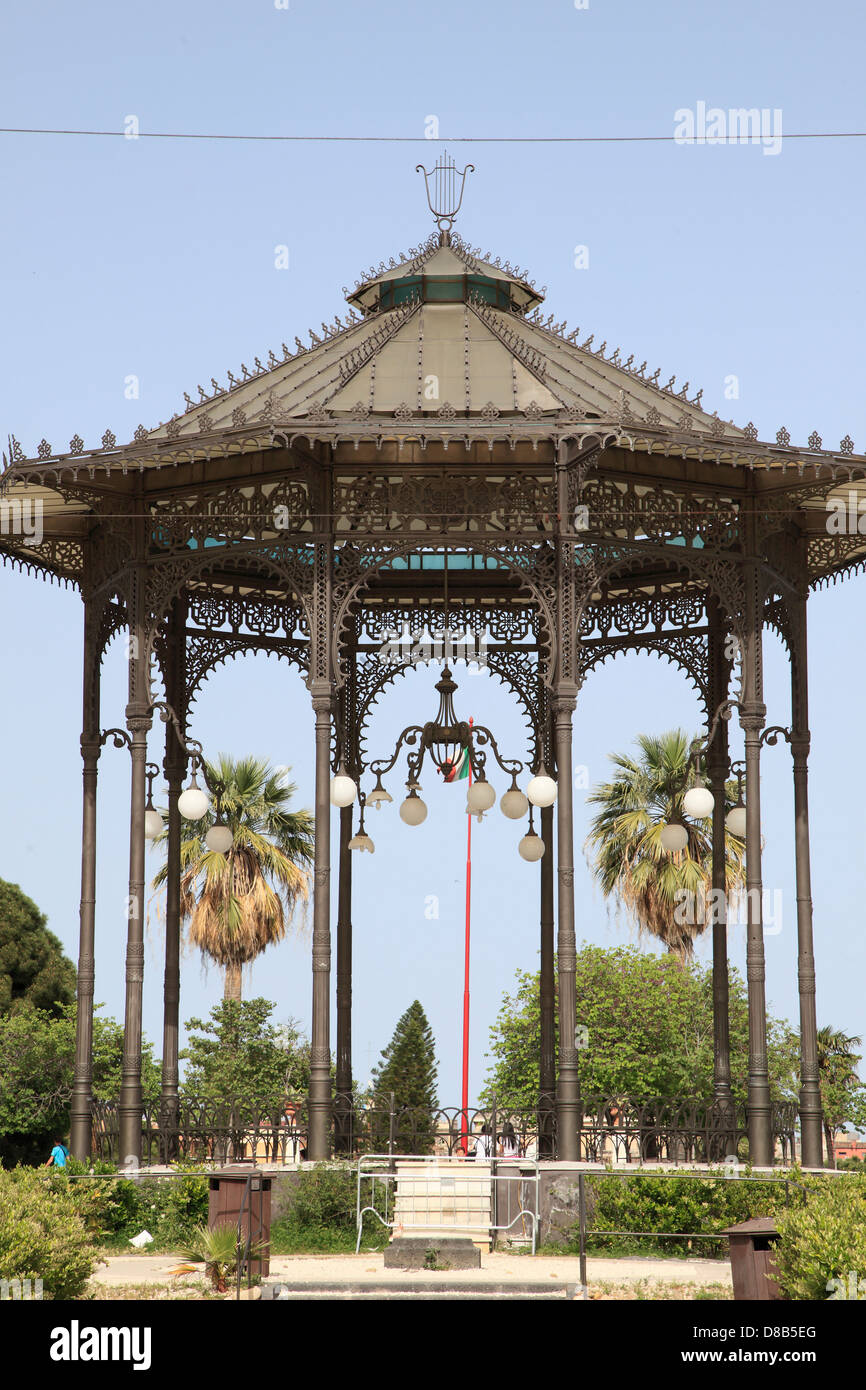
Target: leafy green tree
{"points": [[37, 1052], [237, 904], [843, 1095], [407, 1070], [628, 859], [33, 968], [650, 1026], [237, 1053]]}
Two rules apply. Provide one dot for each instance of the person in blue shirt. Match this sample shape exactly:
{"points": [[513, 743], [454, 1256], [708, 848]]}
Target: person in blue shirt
{"points": [[59, 1155]]}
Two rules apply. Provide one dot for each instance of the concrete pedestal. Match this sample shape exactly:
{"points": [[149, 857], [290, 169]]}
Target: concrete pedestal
{"points": [[432, 1252]]}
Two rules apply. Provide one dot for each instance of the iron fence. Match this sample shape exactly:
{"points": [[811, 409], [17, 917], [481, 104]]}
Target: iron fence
{"points": [[204, 1131], [613, 1129]]}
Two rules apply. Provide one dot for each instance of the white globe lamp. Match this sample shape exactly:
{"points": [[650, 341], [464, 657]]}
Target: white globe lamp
{"points": [[219, 838], [343, 789], [193, 803], [698, 802], [531, 847], [480, 797], [152, 823], [514, 804], [674, 837], [735, 820], [542, 789], [413, 810]]}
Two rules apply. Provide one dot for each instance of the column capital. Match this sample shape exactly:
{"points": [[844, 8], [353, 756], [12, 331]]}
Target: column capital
{"points": [[322, 693], [563, 701], [139, 719], [753, 715], [90, 747]]}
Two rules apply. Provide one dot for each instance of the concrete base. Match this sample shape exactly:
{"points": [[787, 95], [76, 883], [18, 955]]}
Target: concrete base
{"points": [[432, 1252]]}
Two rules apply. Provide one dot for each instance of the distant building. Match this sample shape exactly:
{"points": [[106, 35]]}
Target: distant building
{"points": [[850, 1146]]}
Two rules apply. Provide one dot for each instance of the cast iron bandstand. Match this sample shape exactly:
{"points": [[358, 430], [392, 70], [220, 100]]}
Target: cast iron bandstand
{"points": [[441, 455]]}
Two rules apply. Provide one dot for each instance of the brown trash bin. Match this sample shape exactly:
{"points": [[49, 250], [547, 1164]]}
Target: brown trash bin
{"points": [[753, 1268], [225, 1197]]}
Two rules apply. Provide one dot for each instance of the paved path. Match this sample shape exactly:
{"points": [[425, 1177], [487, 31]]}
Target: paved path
{"points": [[495, 1269]]}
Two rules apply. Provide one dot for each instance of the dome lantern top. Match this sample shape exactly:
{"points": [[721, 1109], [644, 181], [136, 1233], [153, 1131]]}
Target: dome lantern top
{"points": [[445, 270]]}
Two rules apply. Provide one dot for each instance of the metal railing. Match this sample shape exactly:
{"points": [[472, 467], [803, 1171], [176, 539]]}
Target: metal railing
{"points": [[585, 1231], [615, 1129], [209, 1132], [491, 1197]]}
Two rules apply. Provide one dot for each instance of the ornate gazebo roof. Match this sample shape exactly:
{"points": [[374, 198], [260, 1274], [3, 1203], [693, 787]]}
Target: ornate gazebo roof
{"points": [[449, 347]]}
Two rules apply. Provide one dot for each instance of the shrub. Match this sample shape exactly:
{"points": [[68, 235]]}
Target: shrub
{"points": [[115, 1208], [824, 1239], [700, 1204], [42, 1235], [322, 1216], [325, 1196]]}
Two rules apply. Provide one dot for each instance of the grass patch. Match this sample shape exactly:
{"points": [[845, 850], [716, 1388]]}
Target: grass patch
{"points": [[187, 1290]]}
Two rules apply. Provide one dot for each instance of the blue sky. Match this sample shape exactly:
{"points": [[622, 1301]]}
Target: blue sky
{"points": [[155, 259]]}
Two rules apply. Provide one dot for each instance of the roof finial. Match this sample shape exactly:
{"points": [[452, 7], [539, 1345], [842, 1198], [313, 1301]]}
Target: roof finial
{"points": [[447, 194]]}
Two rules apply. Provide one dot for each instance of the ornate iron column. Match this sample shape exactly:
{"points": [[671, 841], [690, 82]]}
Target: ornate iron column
{"points": [[343, 1100], [753, 713], [138, 721], [82, 1085], [547, 974], [811, 1137], [567, 1088], [717, 770], [348, 733], [563, 704], [174, 766], [547, 1061], [320, 1055]]}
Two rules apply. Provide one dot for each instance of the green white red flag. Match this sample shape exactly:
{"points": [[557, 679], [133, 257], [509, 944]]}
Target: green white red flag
{"points": [[456, 772]]}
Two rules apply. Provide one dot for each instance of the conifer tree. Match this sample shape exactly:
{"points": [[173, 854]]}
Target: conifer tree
{"points": [[407, 1070]]}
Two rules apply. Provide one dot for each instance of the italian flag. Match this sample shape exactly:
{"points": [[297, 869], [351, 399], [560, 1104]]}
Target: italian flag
{"points": [[456, 772]]}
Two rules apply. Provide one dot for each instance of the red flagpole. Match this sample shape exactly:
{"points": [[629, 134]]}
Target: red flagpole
{"points": [[465, 1135]]}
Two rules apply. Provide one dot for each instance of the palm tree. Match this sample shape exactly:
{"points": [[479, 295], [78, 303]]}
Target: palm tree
{"points": [[837, 1077], [239, 903], [625, 848]]}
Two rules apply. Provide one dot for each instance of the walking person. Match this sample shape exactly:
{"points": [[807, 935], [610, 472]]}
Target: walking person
{"points": [[59, 1155]]}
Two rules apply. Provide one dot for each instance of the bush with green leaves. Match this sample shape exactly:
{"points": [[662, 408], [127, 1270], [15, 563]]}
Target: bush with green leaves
{"points": [[115, 1208], [682, 1204], [42, 1234], [824, 1239], [322, 1215]]}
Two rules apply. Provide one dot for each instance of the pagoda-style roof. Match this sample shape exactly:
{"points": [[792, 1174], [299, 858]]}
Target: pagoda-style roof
{"points": [[440, 346], [445, 335]]}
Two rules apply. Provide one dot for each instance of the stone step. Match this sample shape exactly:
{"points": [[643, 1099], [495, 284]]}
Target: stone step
{"points": [[281, 1291]]}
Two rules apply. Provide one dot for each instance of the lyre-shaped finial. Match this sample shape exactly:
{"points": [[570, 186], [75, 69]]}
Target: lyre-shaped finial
{"points": [[445, 195]]}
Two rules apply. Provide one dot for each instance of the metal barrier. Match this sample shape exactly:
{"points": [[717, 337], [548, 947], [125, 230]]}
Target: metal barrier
{"points": [[488, 1193], [584, 1230]]}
